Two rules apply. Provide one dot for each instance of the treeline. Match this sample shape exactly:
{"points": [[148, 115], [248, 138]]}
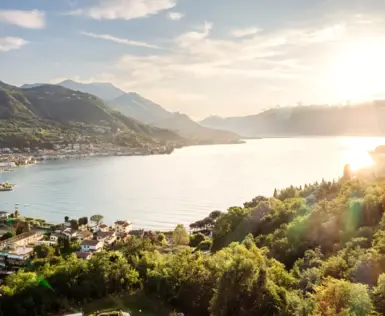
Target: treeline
{"points": [[312, 250]]}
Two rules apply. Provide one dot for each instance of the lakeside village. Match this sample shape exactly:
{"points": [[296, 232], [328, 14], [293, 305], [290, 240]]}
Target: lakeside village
{"points": [[13, 157], [19, 237]]}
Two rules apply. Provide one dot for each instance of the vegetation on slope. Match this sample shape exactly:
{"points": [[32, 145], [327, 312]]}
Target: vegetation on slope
{"points": [[312, 250], [47, 114]]}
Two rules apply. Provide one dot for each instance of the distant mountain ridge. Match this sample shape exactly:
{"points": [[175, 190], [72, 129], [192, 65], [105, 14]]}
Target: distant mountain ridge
{"points": [[365, 119], [186, 127], [104, 90], [140, 108], [144, 110]]}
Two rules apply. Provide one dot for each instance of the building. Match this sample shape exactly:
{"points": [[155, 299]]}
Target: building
{"points": [[123, 227], [100, 227], [4, 215], [106, 237], [23, 240], [15, 259], [84, 235], [91, 246], [67, 232], [46, 242], [54, 238], [84, 255]]}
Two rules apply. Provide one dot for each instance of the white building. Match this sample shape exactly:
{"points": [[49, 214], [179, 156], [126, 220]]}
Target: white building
{"points": [[4, 215], [46, 242], [91, 246], [53, 238], [123, 227]]}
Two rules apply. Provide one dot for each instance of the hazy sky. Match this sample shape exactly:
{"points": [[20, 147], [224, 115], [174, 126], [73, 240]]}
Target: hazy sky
{"points": [[201, 57]]}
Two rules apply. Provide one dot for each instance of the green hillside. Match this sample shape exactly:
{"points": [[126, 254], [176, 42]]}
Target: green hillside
{"points": [[47, 114]]}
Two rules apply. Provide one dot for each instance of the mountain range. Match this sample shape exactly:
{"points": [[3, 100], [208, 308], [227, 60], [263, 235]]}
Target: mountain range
{"points": [[136, 106], [364, 119], [44, 114], [104, 90]]}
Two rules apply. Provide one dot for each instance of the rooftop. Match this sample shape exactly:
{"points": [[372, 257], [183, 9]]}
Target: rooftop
{"points": [[83, 255], [23, 236], [104, 234], [90, 242], [21, 251], [122, 223]]}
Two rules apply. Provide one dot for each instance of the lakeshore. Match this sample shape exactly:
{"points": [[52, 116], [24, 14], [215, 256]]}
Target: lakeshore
{"points": [[157, 192]]}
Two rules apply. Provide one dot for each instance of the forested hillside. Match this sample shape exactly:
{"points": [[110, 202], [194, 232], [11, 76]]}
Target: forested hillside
{"points": [[46, 114], [312, 250]]}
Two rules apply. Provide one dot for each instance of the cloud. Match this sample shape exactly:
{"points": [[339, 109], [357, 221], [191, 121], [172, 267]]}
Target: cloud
{"points": [[9, 43], [205, 73], [34, 19], [119, 40], [125, 9], [245, 31], [175, 16]]}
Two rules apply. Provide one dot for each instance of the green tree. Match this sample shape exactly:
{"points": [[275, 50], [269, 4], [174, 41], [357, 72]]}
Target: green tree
{"points": [[340, 297], [180, 236], [196, 239], [44, 251], [7, 235], [161, 239], [66, 219], [379, 295], [97, 218], [83, 221], [74, 224]]}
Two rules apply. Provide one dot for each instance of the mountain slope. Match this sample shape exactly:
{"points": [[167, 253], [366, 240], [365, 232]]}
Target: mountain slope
{"points": [[134, 105], [186, 127], [104, 90], [366, 119], [56, 111]]}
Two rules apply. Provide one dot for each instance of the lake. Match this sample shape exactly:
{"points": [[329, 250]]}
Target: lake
{"points": [[158, 192]]}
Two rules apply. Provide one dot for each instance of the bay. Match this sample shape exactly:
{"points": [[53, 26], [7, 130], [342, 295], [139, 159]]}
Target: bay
{"points": [[158, 192]]}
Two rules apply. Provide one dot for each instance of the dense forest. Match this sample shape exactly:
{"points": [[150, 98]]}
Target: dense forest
{"points": [[312, 250]]}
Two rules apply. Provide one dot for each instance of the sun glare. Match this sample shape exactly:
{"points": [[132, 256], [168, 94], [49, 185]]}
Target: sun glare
{"points": [[359, 70], [356, 151]]}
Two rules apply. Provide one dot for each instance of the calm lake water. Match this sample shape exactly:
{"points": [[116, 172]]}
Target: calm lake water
{"points": [[158, 192]]}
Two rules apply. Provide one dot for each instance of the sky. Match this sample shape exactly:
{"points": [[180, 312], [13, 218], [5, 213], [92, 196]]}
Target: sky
{"points": [[201, 57]]}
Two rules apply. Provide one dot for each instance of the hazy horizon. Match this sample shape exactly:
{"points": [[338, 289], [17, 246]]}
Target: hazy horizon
{"points": [[201, 58]]}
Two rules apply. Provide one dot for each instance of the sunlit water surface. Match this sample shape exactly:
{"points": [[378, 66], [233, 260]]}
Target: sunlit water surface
{"points": [[158, 192]]}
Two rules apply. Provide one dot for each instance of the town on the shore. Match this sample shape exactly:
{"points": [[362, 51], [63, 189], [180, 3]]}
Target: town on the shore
{"points": [[20, 235], [12, 157]]}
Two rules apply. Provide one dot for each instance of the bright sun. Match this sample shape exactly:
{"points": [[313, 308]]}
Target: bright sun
{"points": [[358, 72]]}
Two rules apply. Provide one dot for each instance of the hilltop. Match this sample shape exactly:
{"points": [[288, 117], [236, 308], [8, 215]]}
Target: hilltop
{"points": [[104, 90]]}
